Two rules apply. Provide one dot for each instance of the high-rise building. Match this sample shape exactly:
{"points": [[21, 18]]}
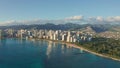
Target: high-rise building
{"points": [[71, 39], [63, 37], [55, 36], [74, 39], [0, 33], [68, 36], [51, 34]]}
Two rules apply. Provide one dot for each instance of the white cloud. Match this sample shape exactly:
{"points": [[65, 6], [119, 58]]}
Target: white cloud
{"points": [[7, 22], [96, 20], [74, 18], [100, 19], [110, 19], [113, 19], [14, 22], [117, 18]]}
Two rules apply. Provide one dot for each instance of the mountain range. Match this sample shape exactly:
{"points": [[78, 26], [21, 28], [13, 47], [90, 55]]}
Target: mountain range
{"points": [[69, 26]]}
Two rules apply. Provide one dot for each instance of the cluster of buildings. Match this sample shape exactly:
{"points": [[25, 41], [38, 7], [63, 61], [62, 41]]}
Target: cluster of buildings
{"points": [[67, 36], [109, 34]]}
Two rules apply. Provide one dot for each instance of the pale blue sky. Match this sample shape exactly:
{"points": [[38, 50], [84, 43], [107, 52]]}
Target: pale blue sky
{"points": [[56, 9]]}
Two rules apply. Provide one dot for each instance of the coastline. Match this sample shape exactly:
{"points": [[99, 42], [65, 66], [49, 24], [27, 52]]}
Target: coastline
{"points": [[101, 55], [80, 47]]}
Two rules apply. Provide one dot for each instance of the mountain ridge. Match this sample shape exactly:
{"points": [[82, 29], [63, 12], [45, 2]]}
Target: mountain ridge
{"points": [[68, 26]]}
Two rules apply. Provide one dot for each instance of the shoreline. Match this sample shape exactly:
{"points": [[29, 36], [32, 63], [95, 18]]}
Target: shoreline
{"points": [[97, 54], [80, 47]]}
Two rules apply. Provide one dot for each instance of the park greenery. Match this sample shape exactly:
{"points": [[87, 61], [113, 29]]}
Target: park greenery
{"points": [[105, 46]]}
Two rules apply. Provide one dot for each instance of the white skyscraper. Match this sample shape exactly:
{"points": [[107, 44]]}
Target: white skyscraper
{"points": [[63, 37], [71, 39], [54, 36], [51, 34], [74, 39], [68, 36]]}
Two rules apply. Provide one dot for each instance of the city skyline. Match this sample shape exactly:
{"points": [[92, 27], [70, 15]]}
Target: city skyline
{"points": [[58, 11], [59, 34]]}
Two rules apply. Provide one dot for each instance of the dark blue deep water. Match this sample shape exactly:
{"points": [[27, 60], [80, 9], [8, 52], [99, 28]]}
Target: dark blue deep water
{"points": [[16, 53]]}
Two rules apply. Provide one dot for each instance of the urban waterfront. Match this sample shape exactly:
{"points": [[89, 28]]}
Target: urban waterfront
{"points": [[17, 53]]}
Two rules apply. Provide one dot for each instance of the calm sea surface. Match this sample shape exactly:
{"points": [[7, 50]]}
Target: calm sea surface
{"points": [[16, 53]]}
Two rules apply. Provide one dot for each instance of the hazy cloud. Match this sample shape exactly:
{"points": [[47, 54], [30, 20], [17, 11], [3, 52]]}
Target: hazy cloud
{"points": [[100, 19], [72, 19], [115, 19]]}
